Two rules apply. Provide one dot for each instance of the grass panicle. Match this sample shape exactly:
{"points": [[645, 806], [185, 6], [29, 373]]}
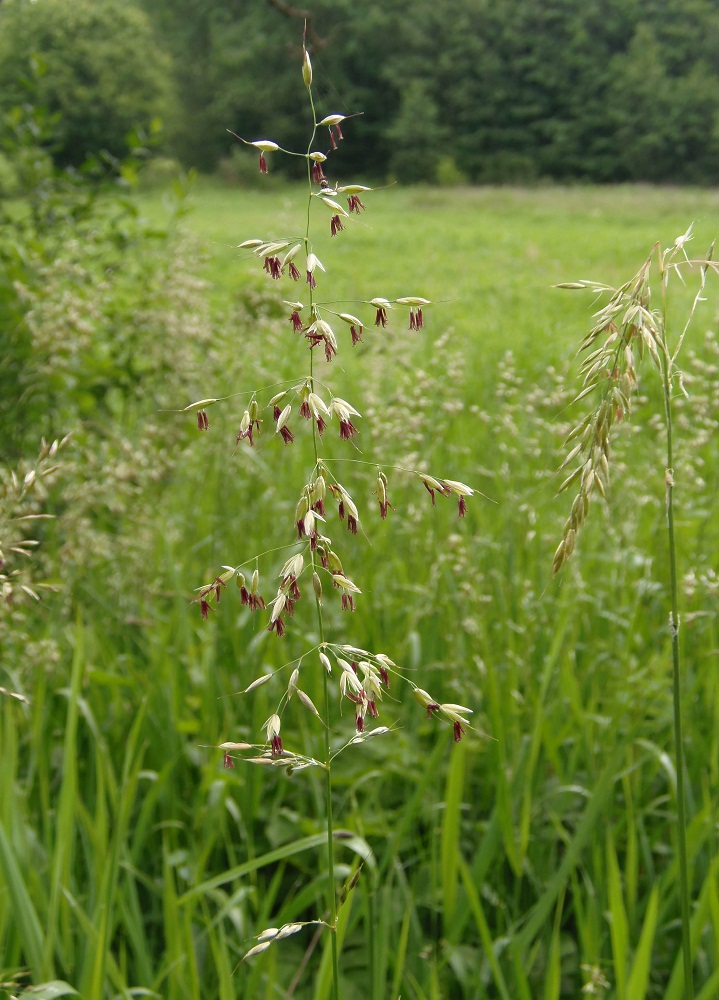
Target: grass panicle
{"points": [[362, 678], [628, 328]]}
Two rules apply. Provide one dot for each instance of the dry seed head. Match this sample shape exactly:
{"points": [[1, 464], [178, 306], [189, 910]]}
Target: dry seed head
{"points": [[371, 679], [257, 682], [288, 929], [346, 584], [293, 566], [430, 481], [317, 406], [301, 509], [459, 488], [341, 406], [325, 660], [306, 69], [291, 254], [324, 330], [579, 510], [307, 702], [381, 487], [350, 505], [423, 698], [334, 561], [292, 686], [313, 262], [350, 320], [283, 418], [453, 715], [319, 489], [270, 249], [350, 680], [569, 540], [257, 950], [447, 707], [272, 727], [309, 522], [412, 300], [278, 606], [334, 206]]}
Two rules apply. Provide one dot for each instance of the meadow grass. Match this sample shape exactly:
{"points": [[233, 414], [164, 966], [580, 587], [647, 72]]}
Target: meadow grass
{"points": [[490, 256], [529, 864]]}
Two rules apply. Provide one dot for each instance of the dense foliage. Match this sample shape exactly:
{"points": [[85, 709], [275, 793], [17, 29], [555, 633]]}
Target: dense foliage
{"points": [[606, 90], [95, 66], [532, 864], [535, 863], [512, 90]]}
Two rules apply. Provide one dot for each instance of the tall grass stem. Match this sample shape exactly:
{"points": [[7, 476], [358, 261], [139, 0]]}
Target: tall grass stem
{"points": [[676, 692]]}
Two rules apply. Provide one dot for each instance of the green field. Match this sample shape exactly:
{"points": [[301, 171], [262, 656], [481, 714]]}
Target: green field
{"points": [[533, 859]]}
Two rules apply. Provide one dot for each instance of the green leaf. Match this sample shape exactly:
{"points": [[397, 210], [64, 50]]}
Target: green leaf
{"points": [[24, 915], [450, 848], [639, 976], [48, 991], [617, 921]]}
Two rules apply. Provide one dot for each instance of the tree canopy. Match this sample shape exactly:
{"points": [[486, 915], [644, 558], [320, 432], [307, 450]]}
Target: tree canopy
{"points": [[490, 90], [96, 67]]}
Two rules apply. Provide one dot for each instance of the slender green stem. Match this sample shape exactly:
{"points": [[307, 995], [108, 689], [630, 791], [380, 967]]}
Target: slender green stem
{"points": [[321, 626], [330, 828], [684, 889]]}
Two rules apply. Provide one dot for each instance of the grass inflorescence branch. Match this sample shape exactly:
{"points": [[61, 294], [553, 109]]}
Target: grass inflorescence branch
{"points": [[315, 563], [626, 330]]}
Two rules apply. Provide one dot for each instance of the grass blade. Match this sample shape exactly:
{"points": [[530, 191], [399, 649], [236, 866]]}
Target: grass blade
{"points": [[618, 926], [639, 976], [25, 917], [584, 833], [450, 848]]}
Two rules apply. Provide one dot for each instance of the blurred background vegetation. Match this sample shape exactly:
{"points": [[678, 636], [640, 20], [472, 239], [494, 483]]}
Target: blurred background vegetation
{"points": [[536, 863], [502, 91]]}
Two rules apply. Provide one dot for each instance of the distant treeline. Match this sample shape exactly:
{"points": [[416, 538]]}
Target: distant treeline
{"points": [[481, 90]]}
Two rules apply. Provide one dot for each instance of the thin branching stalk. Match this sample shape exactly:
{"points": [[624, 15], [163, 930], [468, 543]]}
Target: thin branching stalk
{"points": [[625, 330], [684, 887], [320, 623], [363, 676]]}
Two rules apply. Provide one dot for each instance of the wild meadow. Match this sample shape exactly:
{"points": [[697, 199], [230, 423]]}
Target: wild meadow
{"points": [[536, 858]]}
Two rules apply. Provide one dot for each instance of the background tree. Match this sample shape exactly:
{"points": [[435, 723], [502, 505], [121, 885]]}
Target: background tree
{"points": [[517, 90], [103, 72]]}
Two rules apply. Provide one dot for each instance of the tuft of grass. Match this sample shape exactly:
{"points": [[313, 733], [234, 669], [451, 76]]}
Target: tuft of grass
{"points": [[569, 676]]}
